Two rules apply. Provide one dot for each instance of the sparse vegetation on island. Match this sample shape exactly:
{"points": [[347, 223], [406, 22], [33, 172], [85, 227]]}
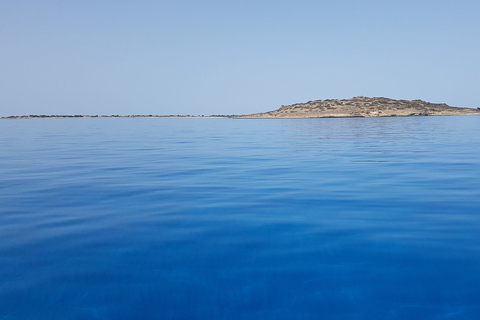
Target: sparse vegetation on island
{"points": [[363, 107]]}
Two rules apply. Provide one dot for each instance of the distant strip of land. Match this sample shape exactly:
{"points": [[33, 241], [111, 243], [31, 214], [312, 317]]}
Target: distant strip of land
{"points": [[330, 108], [56, 116]]}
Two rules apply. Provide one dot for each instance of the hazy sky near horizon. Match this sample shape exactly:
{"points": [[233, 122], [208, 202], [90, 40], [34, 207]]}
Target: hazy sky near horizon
{"points": [[232, 57]]}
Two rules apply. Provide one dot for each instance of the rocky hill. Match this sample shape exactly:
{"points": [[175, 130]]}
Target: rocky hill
{"points": [[363, 107]]}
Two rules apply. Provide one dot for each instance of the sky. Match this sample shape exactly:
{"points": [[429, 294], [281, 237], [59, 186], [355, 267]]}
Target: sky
{"points": [[208, 57]]}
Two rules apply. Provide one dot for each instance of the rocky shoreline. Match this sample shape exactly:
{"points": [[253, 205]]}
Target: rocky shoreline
{"points": [[362, 107]]}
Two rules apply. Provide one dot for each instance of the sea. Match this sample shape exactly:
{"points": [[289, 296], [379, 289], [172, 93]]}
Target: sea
{"points": [[219, 218]]}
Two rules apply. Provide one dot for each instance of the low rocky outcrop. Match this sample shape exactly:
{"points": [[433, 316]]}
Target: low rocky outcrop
{"points": [[363, 107]]}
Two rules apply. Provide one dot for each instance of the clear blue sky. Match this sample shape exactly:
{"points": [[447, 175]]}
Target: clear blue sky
{"points": [[232, 57]]}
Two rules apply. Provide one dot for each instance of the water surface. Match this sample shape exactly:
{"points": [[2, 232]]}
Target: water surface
{"points": [[359, 218]]}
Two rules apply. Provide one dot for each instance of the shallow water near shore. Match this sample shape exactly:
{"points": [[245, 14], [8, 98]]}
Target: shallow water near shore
{"points": [[355, 218]]}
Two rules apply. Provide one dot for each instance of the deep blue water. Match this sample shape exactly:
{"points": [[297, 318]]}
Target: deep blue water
{"points": [[360, 218]]}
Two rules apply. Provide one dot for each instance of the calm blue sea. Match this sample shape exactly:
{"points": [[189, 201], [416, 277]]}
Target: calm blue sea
{"points": [[359, 218]]}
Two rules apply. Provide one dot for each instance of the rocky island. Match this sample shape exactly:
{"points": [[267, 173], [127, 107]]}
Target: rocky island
{"points": [[363, 107], [331, 108]]}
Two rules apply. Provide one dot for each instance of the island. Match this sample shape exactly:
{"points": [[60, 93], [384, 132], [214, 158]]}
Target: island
{"points": [[362, 107], [331, 108]]}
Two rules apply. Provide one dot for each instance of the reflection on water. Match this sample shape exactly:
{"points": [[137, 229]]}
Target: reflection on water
{"points": [[374, 218]]}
